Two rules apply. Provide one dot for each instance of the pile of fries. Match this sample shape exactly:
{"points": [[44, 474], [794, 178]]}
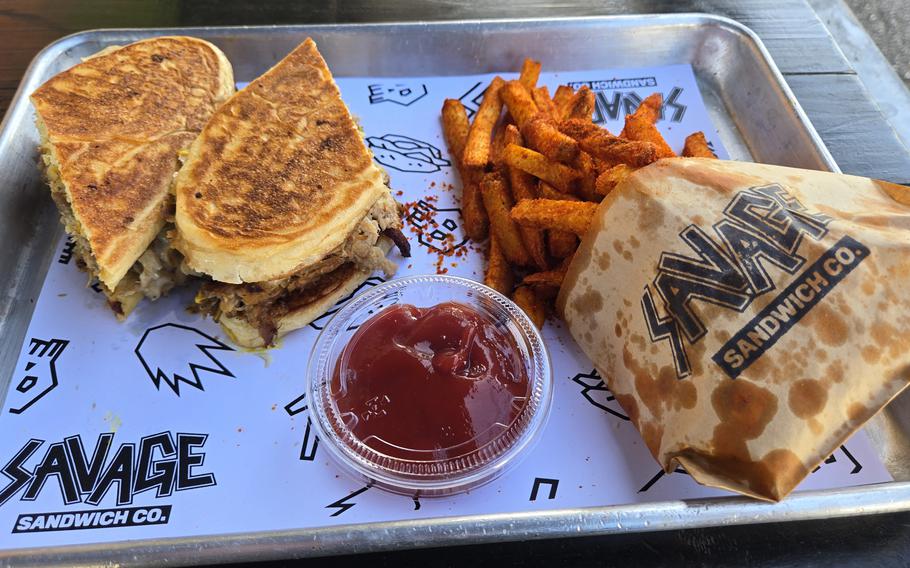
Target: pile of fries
{"points": [[533, 169]]}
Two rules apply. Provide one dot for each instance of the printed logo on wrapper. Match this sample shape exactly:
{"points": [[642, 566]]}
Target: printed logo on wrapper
{"points": [[760, 225], [164, 462]]}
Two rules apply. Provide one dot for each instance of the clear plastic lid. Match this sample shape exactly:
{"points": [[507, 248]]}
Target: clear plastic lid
{"points": [[420, 470]]}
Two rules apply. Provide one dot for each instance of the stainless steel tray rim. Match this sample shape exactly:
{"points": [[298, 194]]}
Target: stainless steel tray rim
{"points": [[477, 529]]}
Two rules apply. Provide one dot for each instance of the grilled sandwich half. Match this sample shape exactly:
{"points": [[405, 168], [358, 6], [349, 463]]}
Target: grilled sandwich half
{"points": [[280, 203], [111, 130]]}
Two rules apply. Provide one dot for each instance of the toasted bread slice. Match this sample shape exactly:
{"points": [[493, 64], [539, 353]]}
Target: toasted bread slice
{"points": [[111, 130], [278, 179]]}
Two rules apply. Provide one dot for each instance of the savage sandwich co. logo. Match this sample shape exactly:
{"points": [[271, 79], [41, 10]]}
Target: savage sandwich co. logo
{"points": [[161, 462], [615, 98], [761, 226]]}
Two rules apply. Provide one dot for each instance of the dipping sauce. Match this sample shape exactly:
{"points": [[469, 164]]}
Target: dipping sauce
{"points": [[429, 383]]}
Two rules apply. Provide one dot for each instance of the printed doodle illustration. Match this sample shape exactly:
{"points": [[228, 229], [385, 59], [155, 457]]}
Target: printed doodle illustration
{"points": [[344, 503], [855, 466], [404, 94], [657, 477], [66, 254], [310, 442], [439, 228], [596, 392], [473, 97], [407, 154], [39, 376], [319, 323], [553, 485], [175, 354]]}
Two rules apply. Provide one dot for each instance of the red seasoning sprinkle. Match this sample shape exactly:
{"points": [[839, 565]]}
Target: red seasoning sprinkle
{"points": [[431, 224]]}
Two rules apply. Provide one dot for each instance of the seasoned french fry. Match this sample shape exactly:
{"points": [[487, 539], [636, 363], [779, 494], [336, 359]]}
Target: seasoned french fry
{"points": [[455, 129], [524, 186], [541, 96], [538, 165], [542, 136], [580, 129], [572, 216], [610, 178], [528, 301], [600, 166], [477, 148], [641, 126], [648, 110], [498, 144], [499, 275], [561, 97], [498, 203], [581, 105], [473, 212], [545, 278], [517, 99], [697, 146], [601, 144], [530, 73], [562, 244], [546, 284], [547, 191], [584, 163]]}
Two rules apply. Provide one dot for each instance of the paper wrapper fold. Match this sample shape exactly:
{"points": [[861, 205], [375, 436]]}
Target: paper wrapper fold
{"points": [[748, 318]]}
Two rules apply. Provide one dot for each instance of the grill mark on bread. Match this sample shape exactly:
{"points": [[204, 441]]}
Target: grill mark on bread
{"points": [[253, 190]]}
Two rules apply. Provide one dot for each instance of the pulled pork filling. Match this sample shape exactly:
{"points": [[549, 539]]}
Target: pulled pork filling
{"points": [[153, 274], [263, 304]]}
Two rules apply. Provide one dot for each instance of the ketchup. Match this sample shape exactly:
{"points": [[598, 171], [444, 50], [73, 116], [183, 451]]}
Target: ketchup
{"points": [[429, 384]]}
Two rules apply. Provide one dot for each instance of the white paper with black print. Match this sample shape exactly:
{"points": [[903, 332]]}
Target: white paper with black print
{"points": [[159, 427]]}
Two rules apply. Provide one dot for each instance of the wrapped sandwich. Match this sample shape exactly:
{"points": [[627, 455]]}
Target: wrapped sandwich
{"points": [[748, 318]]}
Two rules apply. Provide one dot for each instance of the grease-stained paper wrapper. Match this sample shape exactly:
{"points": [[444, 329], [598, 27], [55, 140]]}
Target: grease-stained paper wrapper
{"points": [[748, 318]]}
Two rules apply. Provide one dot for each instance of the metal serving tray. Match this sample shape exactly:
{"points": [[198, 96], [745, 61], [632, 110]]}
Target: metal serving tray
{"points": [[747, 99]]}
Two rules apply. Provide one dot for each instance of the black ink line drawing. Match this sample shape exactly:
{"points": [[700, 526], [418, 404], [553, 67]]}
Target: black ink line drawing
{"points": [[169, 350], [296, 406], [440, 236], [657, 477], [404, 94], [671, 102], [829, 459], [342, 505], [96, 286], [857, 467], [472, 98], [407, 154], [66, 255], [596, 392], [41, 373], [538, 481], [310, 442], [319, 323], [613, 105]]}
